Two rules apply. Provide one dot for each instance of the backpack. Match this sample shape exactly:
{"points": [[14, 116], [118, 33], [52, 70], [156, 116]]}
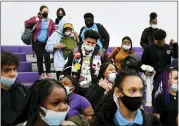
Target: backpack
{"points": [[79, 120], [27, 35]]}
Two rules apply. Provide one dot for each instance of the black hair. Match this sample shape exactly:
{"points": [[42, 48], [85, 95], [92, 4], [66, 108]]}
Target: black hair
{"points": [[106, 108], [73, 80], [38, 93], [61, 9], [92, 34], [159, 34], [42, 7], [8, 59], [128, 38], [102, 70], [153, 15], [88, 15]]}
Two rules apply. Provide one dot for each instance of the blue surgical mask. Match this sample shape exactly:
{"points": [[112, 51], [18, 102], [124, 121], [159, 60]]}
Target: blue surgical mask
{"points": [[174, 87], [8, 81], [53, 118]]}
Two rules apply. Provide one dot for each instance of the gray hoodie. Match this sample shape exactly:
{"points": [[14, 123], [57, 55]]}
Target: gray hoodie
{"points": [[59, 61]]}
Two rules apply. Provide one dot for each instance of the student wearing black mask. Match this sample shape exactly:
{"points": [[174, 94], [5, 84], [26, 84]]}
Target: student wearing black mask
{"points": [[43, 30], [103, 42], [122, 106], [60, 14], [159, 56], [147, 34]]}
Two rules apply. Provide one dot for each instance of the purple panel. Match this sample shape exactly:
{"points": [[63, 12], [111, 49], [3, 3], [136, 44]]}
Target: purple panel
{"points": [[28, 77], [26, 49], [136, 49], [12, 49], [25, 67], [22, 56]]}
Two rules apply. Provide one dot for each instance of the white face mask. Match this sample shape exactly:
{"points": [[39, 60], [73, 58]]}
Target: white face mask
{"points": [[68, 89], [154, 26], [67, 33], [112, 77], [174, 87], [88, 47], [53, 118], [126, 47], [8, 81]]}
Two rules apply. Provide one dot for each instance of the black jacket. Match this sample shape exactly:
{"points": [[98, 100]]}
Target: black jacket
{"points": [[148, 120], [147, 37], [159, 58], [104, 35], [67, 68], [13, 102]]}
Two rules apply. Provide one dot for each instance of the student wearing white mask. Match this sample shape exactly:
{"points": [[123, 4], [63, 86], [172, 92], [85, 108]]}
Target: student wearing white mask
{"points": [[85, 62], [106, 78], [47, 105], [78, 104], [147, 34], [120, 53], [13, 95], [166, 103]]}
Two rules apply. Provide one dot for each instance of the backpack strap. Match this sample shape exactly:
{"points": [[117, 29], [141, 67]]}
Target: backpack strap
{"points": [[117, 50], [147, 118]]}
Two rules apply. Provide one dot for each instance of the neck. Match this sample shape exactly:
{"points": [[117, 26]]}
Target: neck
{"points": [[4, 87], [127, 114], [172, 92], [40, 122]]}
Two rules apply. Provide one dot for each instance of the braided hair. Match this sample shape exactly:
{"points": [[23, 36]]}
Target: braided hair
{"points": [[38, 93]]}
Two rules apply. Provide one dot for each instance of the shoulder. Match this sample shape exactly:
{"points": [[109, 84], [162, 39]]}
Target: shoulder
{"points": [[150, 119]]}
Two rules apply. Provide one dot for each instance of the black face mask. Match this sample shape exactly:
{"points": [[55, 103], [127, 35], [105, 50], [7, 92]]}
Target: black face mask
{"points": [[45, 15], [60, 16], [131, 103]]}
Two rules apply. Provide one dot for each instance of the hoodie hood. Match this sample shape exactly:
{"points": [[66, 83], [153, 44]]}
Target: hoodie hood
{"points": [[65, 20]]}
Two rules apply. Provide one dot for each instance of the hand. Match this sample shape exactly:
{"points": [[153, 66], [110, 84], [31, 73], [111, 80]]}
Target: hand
{"points": [[148, 73], [103, 53], [172, 41], [59, 46], [37, 19], [105, 85], [75, 34]]}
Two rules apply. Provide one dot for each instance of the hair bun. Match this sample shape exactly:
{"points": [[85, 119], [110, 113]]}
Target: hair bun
{"points": [[153, 15]]}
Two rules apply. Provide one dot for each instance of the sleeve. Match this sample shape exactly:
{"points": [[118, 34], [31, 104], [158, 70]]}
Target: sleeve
{"points": [[53, 26], [31, 22], [52, 40], [80, 35], [156, 121], [111, 55], [174, 50], [67, 68], [105, 36], [145, 56], [144, 39], [157, 107], [84, 104]]}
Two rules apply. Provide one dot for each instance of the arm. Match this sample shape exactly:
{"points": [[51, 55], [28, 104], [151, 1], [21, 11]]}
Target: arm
{"points": [[156, 121], [105, 36], [145, 57], [157, 107], [174, 50], [111, 55], [31, 22], [80, 39], [144, 39], [67, 68], [53, 26]]}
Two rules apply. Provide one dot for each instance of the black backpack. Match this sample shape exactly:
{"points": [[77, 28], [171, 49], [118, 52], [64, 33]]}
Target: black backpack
{"points": [[27, 35]]}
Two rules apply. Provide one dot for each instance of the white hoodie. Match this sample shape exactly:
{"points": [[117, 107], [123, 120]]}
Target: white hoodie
{"points": [[59, 61]]}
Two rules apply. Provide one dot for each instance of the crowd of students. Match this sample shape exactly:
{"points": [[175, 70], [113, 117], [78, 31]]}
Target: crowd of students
{"points": [[92, 87]]}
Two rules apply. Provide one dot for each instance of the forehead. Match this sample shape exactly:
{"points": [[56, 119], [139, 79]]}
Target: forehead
{"points": [[45, 9], [8, 66], [174, 73], [88, 19], [66, 79], [110, 66], [154, 20], [126, 41], [57, 92], [132, 82], [91, 40]]}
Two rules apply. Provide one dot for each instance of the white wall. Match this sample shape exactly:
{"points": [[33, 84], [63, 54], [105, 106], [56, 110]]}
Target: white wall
{"points": [[119, 18]]}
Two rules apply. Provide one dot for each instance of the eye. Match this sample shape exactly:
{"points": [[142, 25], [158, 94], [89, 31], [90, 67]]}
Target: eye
{"points": [[132, 90], [56, 103]]}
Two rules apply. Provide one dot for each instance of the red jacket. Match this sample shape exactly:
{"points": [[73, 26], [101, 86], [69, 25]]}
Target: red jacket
{"points": [[32, 21]]}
